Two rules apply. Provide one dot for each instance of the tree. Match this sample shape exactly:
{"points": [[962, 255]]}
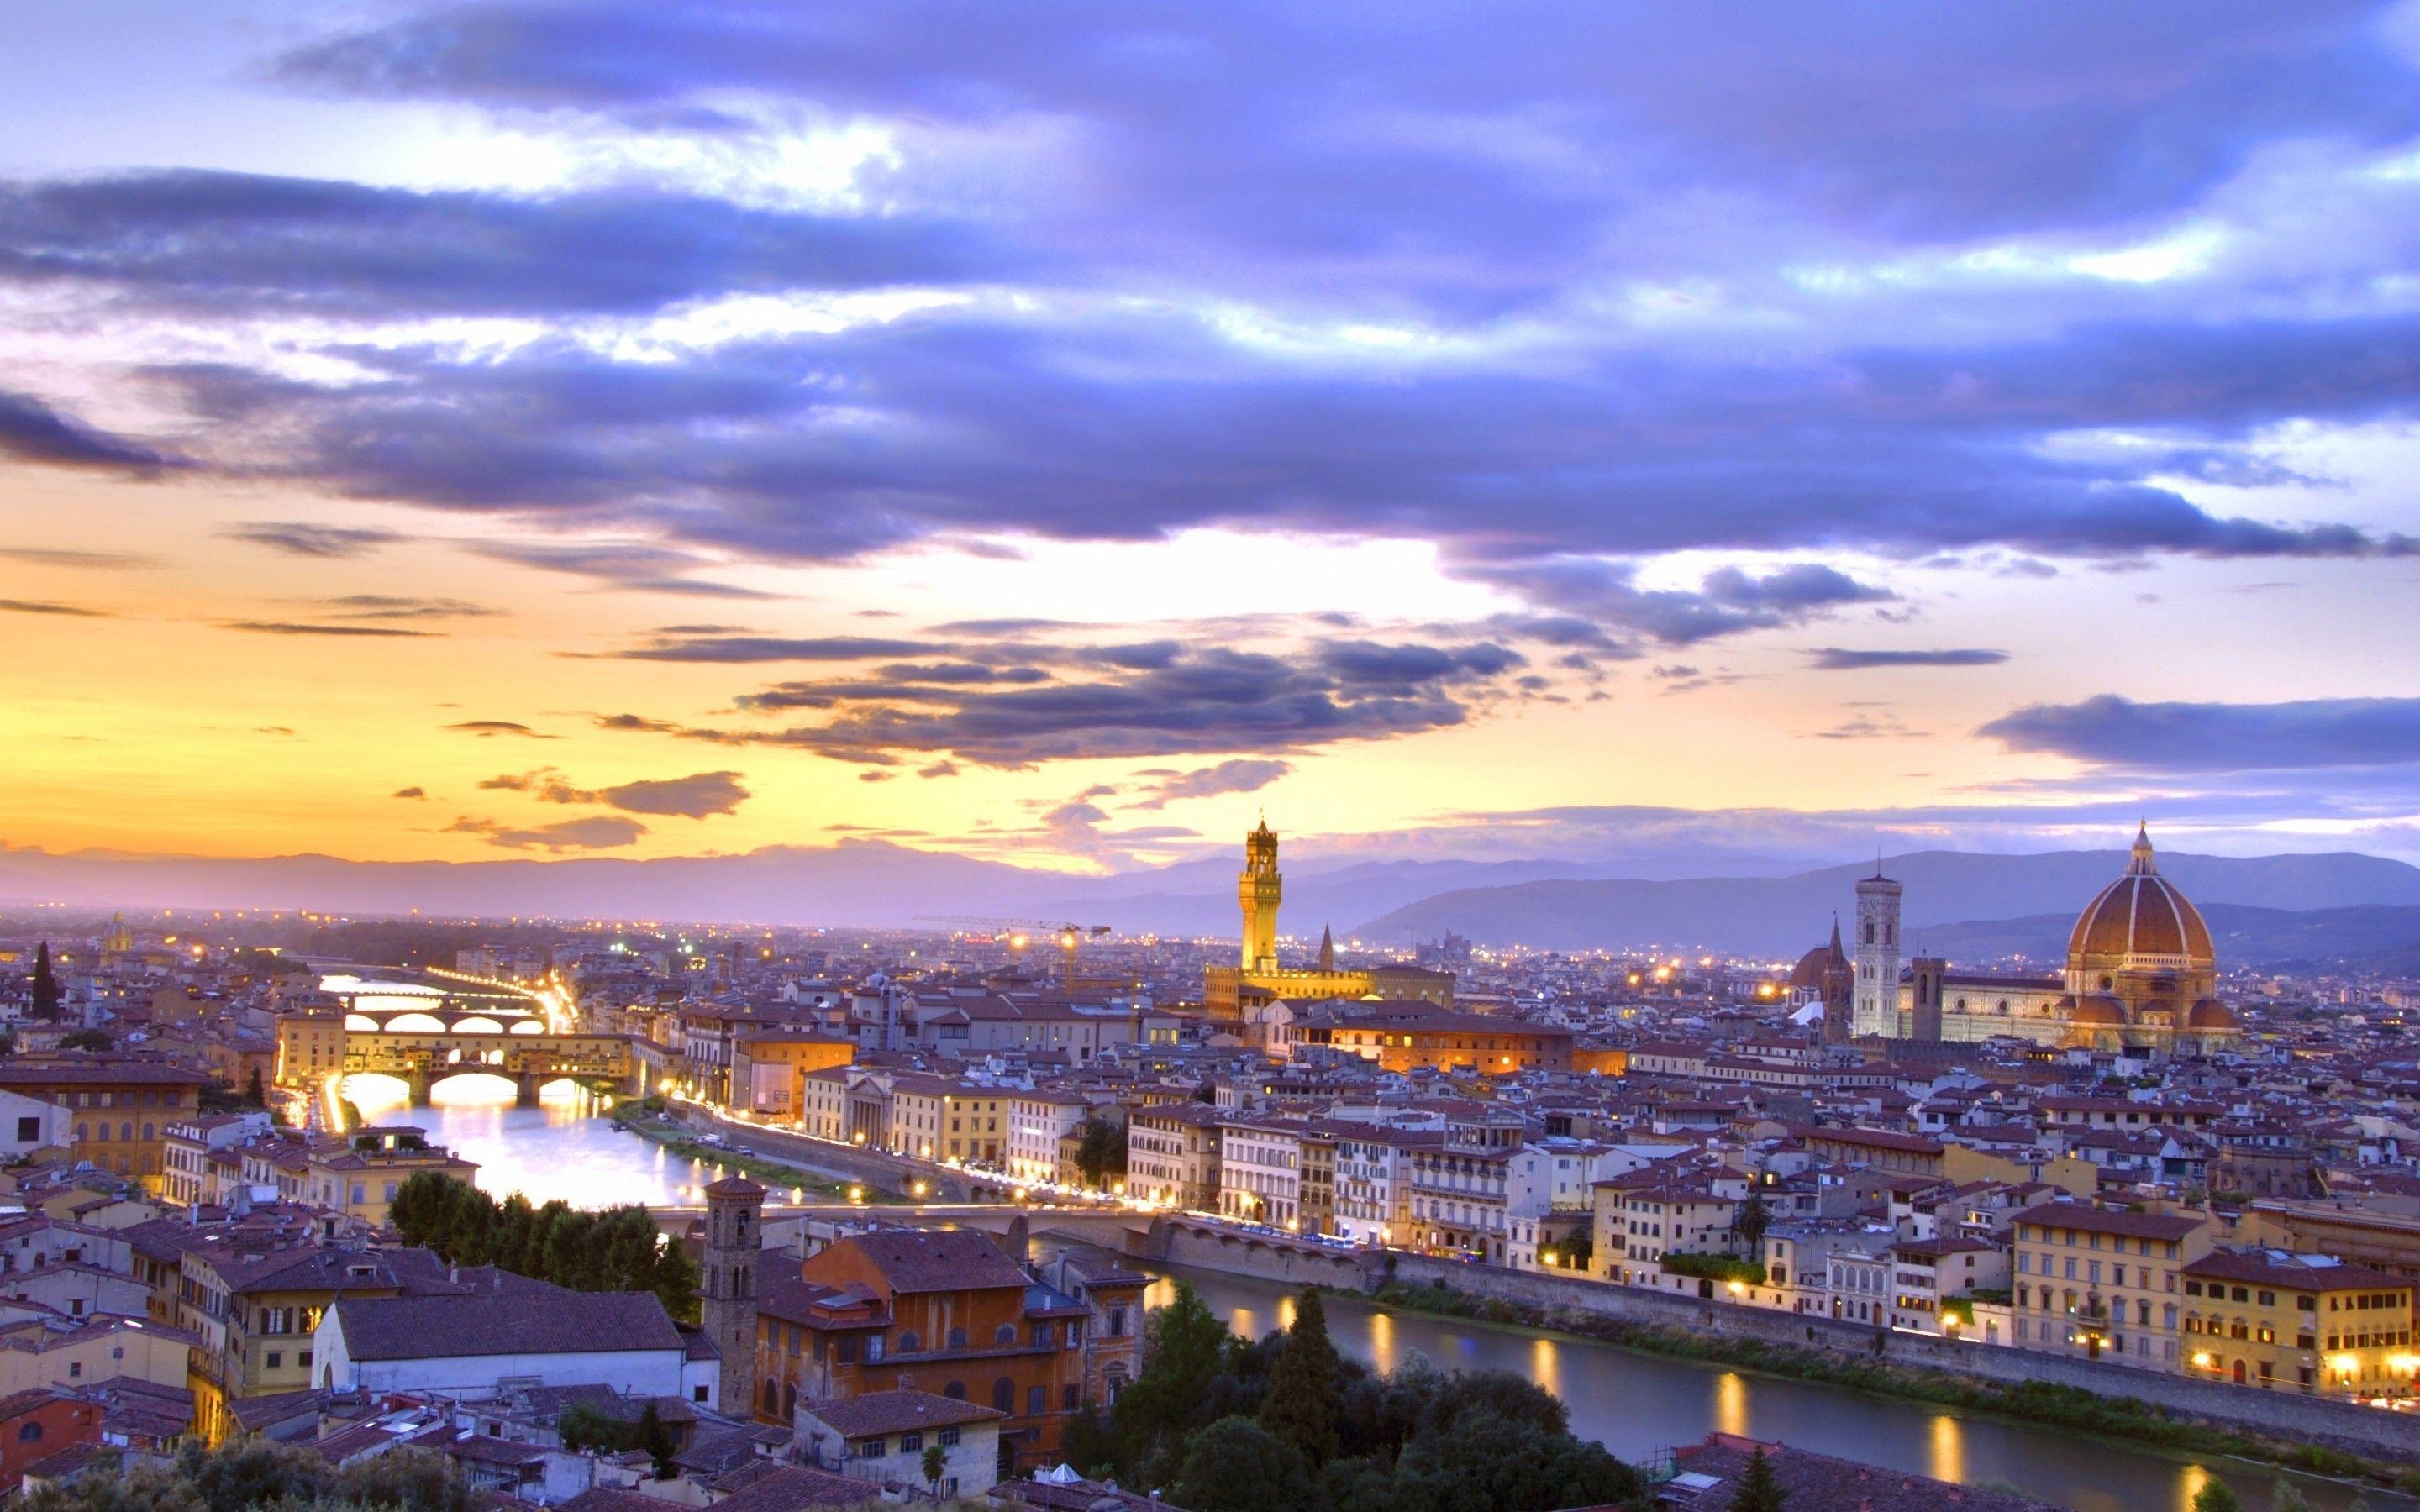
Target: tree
{"points": [[2216, 1496], [46, 985], [1088, 1444], [1752, 1219], [1759, 1491], [1306, 1396], [255, 1094], [936, 1461], [97, 1040], [656, 1439], [2285, 1498], [1100, 1151], [1187, 1348], [1235, 1465]]}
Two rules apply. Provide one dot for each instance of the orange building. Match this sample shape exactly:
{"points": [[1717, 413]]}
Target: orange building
{"points": [[770, 1068], [944, 1311], [1418, 1037], [1601, 1060], [122, 1108]]}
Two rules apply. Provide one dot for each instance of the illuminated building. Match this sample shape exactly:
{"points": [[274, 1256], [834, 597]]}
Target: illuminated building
{"points": [[1230, 993]]}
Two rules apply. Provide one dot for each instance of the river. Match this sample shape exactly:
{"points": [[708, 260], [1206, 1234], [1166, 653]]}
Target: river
{"points": [[1635, 1405]]}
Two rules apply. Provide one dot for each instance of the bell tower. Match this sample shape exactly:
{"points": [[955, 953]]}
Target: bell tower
{"points": [[735, 1245], [1877, 1001], [1259, 888]]}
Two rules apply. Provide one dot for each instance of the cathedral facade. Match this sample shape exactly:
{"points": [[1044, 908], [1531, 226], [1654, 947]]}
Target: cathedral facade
{"points": [[2141, 975]]}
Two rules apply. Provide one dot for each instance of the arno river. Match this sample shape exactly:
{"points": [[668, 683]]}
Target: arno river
{"points": [[1635, 1405]]}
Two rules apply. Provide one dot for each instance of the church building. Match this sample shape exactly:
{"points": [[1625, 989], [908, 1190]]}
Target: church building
{"points": [[1231, 995]]}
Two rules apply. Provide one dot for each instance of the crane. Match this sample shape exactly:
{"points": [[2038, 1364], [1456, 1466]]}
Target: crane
{"points": [[1070, 935]]}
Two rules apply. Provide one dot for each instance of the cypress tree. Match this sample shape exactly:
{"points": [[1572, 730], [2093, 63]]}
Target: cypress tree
{"points": [[46, 985], [1306, 1396], [1758, 1490]]}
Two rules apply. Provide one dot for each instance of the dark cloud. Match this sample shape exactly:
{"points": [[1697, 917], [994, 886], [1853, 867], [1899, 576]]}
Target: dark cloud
{"points": [[696, 797], [1207, 700], [44, 606], [306, 628], [2120, 732], [1604, 592], [301, 538], [407, 792], [33, 431], [1840, 659], [938, 769], [231, 243], [1242, 774], [596, 832], [486, 728]]}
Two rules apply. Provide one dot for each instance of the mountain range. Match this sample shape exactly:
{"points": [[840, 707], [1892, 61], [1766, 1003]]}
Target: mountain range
{"points": [[1968, 905]]}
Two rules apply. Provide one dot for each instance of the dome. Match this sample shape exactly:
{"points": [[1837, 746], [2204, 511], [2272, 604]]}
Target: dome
{"points": [[2140, 916], [2209, 1014], [2099, 1009], [1811, 966]]}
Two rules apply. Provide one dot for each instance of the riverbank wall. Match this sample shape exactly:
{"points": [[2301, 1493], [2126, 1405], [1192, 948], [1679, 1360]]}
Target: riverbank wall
{"points": [[2360, 1430]]}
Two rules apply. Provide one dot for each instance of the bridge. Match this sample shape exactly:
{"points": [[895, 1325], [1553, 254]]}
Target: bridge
{"points": [[529, 1059], [1175, 1237]]}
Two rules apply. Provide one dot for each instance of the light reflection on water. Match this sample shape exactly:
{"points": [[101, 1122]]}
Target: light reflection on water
{"points": [[559, 1148], [1640, 1406]]}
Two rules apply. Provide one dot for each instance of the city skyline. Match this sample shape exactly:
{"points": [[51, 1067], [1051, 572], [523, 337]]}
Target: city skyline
{"points": [[462, 434]]}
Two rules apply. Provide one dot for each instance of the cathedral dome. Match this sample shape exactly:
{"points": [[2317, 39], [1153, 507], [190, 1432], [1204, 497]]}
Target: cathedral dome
{"points": [[2096, 1011], [2140, 921], [2209, 1014]]}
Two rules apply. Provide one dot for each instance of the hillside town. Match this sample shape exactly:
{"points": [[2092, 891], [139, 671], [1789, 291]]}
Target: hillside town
{"points": [[2136, 1165]]}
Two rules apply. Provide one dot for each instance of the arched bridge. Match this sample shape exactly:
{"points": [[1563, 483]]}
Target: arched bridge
{"points": [[423, 1060]]}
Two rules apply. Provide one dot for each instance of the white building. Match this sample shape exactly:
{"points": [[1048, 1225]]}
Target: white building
{"points": [[467, 1346], [1037, 1121], [28, 1124], [883, 1437], [1260, 1172]]}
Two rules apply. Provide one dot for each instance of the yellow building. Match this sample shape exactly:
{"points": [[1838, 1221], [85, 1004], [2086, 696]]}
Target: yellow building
{"points": [[1229, 992], [2261, 1317], [310, 1048], [360, 1176], [2104, 1284], [74, 1353]]}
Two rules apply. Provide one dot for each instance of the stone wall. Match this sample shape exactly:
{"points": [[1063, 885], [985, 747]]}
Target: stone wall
{"points": [[2359, 1430]]}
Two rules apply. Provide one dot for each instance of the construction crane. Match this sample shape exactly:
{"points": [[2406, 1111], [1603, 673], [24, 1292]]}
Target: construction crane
{"points": [[1070, 935]]}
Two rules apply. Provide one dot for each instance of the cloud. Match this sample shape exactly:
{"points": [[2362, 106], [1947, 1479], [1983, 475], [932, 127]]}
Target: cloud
{"points": [[627, 566], [33, 431], [1839, 659], [1242, 774], [407, 792], [300, 538], [61, 557], [486, 728], [2119, 733], [695, 797], [597, 832], [236, 244], [1117, 703], [390, 606], [44, 606], [304, 628], [1727, 601], [740, 649]]}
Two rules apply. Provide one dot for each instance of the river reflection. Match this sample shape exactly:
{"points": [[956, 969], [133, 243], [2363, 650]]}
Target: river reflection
{"points": [[1641, 1406]]}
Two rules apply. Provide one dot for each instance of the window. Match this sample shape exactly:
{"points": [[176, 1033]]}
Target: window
{"points": [[907, 1341], [957, 1338], [30, 1433], [950, 1436], [29, 1130], [873, 1448], [1003, 1395], [957, 1392], [276, 1360], [1004, 1333]]}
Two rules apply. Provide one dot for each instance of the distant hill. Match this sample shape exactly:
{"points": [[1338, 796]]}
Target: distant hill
{"points": [[2373, 938], [1783, 916]]}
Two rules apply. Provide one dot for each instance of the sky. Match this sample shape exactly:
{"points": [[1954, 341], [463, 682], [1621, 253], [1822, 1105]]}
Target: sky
{"points": [[1059, 433]]}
